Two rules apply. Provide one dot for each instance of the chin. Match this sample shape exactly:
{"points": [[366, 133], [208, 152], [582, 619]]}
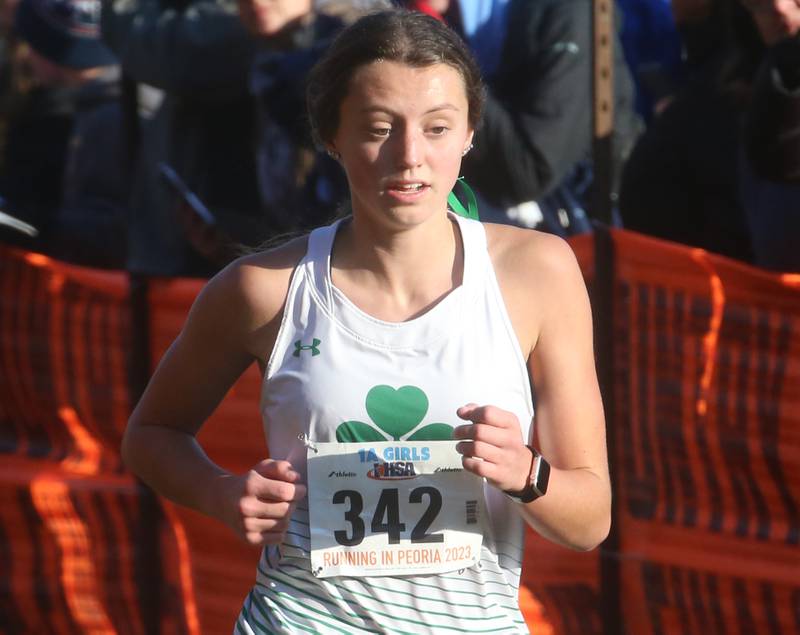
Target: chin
{"points": [[411, 215]]}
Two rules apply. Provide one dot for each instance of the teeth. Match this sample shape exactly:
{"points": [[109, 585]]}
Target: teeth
{"points": [[410, 188]]}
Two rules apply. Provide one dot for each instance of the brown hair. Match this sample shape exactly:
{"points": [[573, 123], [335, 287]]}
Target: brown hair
{"points": [[406, 37]]}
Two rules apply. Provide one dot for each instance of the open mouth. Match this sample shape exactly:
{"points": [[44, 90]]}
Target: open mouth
{"points": [[406, 188]]}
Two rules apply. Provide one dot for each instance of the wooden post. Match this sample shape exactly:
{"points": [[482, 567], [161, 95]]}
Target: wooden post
{"points": [[603, 120], [603, 287]]}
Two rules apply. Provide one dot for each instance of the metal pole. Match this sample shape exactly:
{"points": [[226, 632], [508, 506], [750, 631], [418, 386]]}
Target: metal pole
{"points": [[149, 517]]}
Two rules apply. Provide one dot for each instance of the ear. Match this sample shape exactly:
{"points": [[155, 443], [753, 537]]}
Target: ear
{"points": [[468, 143]]}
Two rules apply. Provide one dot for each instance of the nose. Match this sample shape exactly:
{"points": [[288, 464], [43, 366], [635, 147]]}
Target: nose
{"points": [[409, 149]]}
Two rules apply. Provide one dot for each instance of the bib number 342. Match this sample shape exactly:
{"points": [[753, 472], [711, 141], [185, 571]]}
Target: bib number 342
{"points": [[377, 517], [386, 517]]}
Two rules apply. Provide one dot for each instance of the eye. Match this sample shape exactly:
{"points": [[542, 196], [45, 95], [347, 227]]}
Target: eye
{"points": [[380, 131], [438, 130]]}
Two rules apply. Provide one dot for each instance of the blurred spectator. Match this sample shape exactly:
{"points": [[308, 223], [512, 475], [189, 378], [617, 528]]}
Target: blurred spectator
{"points": [[300, 187], [771, 167], [531, 160], [199, 54], [232, 125], [681, 182], [652, 49], [7, 10], [62, 169], [773, 122]]}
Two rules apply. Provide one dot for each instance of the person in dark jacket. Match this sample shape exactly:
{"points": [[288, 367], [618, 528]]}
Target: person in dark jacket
{"points": [[300, 186], [198, 54], [231, 127], [531, 160], [63, 158], [681, 182], [770, 163]]}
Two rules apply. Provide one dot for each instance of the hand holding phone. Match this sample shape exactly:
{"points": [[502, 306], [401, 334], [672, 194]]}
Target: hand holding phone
{"points": [[190, 198]]}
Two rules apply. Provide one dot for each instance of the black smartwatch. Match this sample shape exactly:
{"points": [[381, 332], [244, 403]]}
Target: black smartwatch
{"points": [[538, 478]]}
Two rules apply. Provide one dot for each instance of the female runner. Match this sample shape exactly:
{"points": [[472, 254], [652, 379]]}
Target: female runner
{"points": [[400, 348]]}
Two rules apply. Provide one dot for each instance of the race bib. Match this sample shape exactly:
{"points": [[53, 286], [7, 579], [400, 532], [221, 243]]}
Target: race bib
{"points": [[397, 508]]}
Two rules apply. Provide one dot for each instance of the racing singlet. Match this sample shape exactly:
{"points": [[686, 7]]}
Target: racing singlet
{"points": [[393, 537]]}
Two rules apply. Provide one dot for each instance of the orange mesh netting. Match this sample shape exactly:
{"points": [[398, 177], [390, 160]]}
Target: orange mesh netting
{"points": [[705, 423]]}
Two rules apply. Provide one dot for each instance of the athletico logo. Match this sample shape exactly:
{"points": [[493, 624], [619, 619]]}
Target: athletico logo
{"points": [[313, 347], [341, 474]]}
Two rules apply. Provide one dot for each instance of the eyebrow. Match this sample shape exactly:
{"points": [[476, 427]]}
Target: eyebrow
{"points": [[437, 108]]}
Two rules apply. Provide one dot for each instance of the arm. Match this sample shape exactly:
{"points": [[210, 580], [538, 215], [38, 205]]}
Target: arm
{"points": [[537, 122], [233, 322], [553, 320], [772, 123], [203, 47]]}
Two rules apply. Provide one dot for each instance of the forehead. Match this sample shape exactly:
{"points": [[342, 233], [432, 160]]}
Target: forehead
{"points": [[394, 84]]}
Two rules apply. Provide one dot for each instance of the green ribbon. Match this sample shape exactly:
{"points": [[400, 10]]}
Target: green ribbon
{"points": [[471, 211]]}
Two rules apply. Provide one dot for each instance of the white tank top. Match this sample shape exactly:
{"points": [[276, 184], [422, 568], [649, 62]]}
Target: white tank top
{"points": [[327, 357]]}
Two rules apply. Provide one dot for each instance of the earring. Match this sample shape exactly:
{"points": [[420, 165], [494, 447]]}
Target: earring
{"points": [[467, 149], [333, 154]]}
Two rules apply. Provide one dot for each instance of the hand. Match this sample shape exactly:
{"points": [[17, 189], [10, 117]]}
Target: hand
{"points": [[207, 240], [493, 446], [266, 18], [261, 502], [776, 20]]}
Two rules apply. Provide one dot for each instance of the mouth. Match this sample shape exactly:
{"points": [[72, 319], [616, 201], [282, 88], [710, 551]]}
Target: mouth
{"points": [[405, 187]]}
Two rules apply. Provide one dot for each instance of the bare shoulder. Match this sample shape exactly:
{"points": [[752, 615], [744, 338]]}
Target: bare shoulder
{"points": [[538, 276], [246, 298], [530, 255]]}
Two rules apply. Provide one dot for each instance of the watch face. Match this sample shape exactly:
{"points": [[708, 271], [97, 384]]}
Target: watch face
{"points": [[542, 476], [537, 481]]}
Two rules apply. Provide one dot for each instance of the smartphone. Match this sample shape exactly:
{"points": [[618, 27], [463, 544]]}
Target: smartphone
{"points": [[13, 222], [192, 200]]}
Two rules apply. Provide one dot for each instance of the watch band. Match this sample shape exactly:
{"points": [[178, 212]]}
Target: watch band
{"points": [[538, 479]]}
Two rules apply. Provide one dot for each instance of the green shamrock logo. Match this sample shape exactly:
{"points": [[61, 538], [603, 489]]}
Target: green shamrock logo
{"points": [[395, 413]]}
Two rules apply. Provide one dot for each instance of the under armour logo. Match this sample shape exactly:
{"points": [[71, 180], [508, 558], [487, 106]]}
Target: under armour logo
{"points": [[313, 347]]}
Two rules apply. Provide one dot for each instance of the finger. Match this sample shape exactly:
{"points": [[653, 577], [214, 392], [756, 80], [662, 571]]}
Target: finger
{"points": [[484, 469], [280, 470], [300, 492], [271, 490], [491, 415], [254, 507], [258, 538], [500, 437], [481, 450], [466, 410]]}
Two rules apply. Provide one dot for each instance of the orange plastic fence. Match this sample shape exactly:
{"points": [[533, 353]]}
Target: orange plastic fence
{"points": [[707, 429], [706, 460], [221, 568], [72, 545]]}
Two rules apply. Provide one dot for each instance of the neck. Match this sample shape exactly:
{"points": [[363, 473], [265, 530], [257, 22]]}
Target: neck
{"points": [[396, 275]]}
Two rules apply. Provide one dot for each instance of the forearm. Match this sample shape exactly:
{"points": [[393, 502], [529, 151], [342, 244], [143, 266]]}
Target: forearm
{"points": [[772, 123], [576, 510], [174, 464]]}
